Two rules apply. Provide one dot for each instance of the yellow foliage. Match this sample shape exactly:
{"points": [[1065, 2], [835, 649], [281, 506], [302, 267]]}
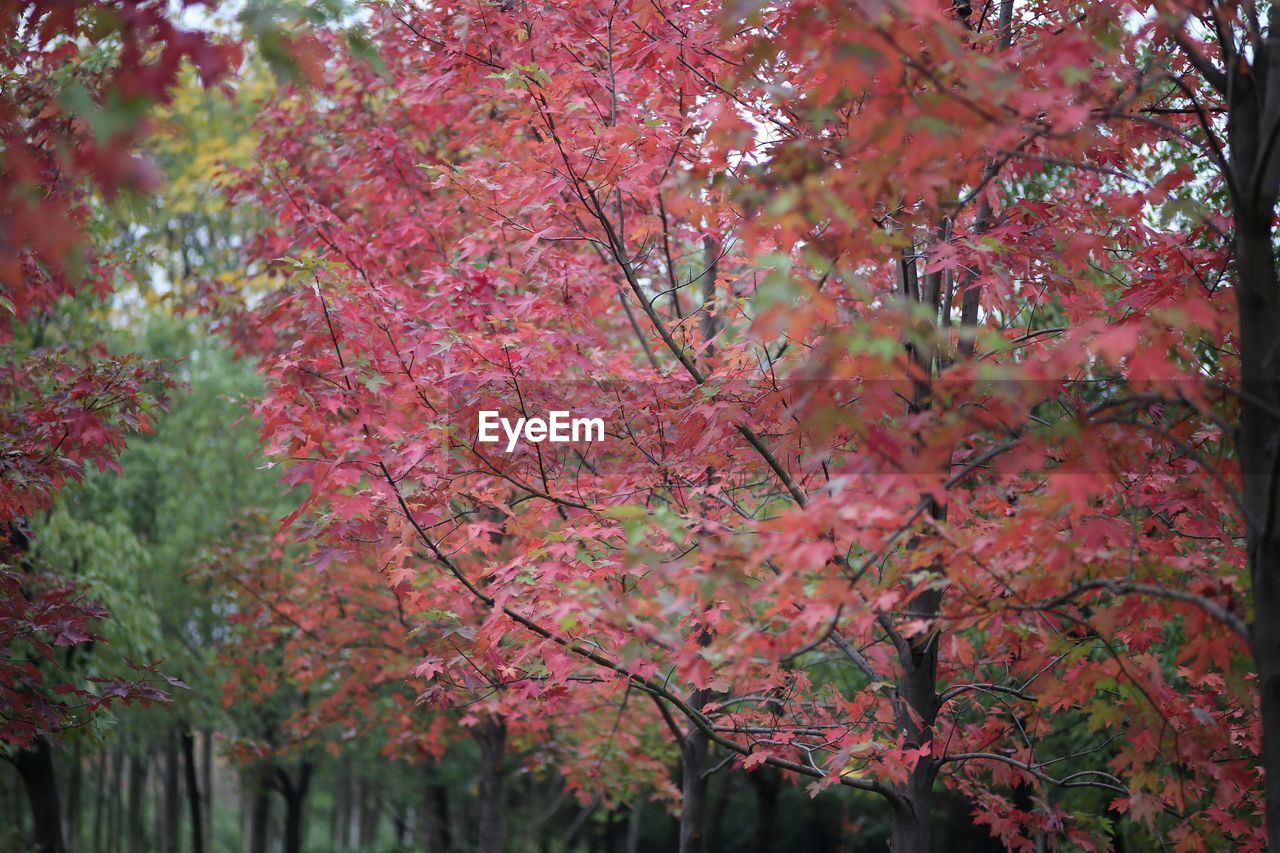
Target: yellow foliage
{"points": [[202, 137]]}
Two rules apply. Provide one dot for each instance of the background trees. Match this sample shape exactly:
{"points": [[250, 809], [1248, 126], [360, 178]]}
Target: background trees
{"points": [[915, 329]]}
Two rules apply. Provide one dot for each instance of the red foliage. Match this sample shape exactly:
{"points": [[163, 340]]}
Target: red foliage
{"points": [[40, 614], [900, 333]]}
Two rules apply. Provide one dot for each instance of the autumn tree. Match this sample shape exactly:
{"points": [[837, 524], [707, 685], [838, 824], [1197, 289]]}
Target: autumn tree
{"points": [[911, 325]]}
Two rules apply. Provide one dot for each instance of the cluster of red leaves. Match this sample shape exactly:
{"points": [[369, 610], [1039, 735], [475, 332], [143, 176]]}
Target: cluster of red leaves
{"points": [[862, 512], [62, 413], [40, 614]]}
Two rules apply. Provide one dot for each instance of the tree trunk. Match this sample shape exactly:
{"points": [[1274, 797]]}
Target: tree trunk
{"points": [[1253, 113], [157, 801], [615, 834], [720, 811], [115, 820], [435, 815], [695, 757], [294, 792], [35, 766], [633, 827], [1259, 312], [916, 708], [171, 802], [767, 782], [710, 321], [100, 798], [342, 806], [368, 814], [74, 786], [910, 822], [137, 830], [400, 825], [492, 736], [206, 756], [355, 812], [193, 790], [14, 799], [260, 811]]}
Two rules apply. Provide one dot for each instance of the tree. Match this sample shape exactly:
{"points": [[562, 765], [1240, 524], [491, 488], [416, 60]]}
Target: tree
{"points": [[910, 328], [77, 79]]}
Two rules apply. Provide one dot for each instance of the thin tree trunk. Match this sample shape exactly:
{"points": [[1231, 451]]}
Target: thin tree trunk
{"points": [[100, 797], [368, 813], [172, 796], [695, 756], [633, 827], [206, 756], [342, 806], [492, 735], [355, 812], [260, 811], [710, 321], [74, 784], [435, 815], [157, 801], [400, 824], [715, 831], [767, 782], [916, 708], [115, 820], [35, 766], [13, 796], [294, 792], [193, 789], [137, 830]]}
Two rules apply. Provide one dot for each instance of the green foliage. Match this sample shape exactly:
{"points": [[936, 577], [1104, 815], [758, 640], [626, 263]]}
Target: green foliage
{"points": [[135, 536]]}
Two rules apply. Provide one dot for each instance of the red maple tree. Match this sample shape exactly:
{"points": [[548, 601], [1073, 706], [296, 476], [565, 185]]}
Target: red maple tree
{"points": [[913, 329]]}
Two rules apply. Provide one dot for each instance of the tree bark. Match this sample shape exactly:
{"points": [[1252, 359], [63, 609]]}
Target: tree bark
{"points": [[294, 792], [35, 766], [916, 708], [715, 831], [115, 820], [1259, 430], [260, 811], [767, 782], [435, 815], [172, 801], [342, 806], [695, 756], [368, 814], [400, 825], [100, 798], [75, 784], [633, 827], [193, 790], [206, 755], [136, 830], [710, 322], [491, 733], [1253, 113]]}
